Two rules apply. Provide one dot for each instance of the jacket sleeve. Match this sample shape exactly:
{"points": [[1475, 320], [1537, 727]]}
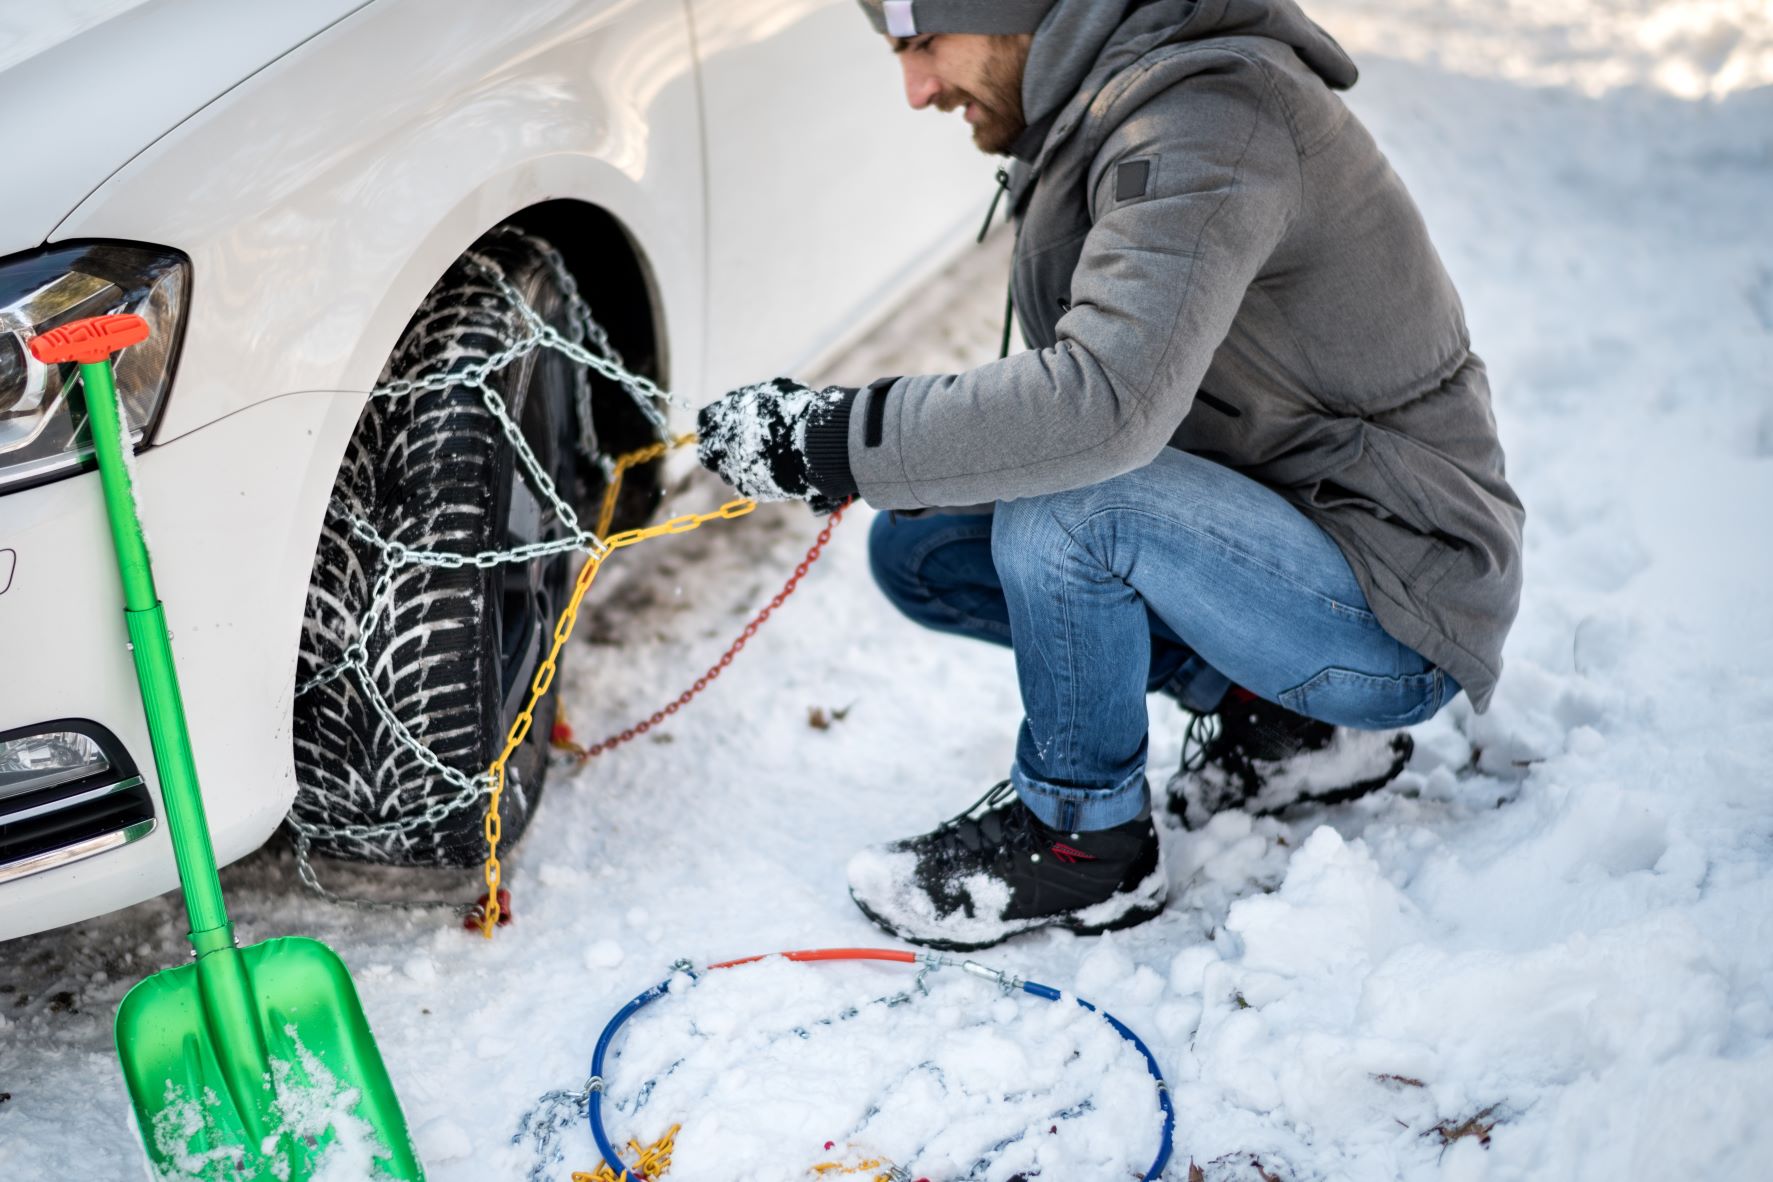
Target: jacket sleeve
{"points": [[1160, 278]]}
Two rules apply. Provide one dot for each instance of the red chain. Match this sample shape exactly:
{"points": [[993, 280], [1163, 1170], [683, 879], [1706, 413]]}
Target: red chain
{"points": [[563, 734]]}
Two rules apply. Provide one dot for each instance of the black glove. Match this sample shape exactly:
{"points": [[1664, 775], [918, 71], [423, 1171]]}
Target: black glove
{"points": [[755, 439]]}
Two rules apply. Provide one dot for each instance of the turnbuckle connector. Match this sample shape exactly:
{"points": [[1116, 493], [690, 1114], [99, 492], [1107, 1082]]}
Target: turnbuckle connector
{"points": [[1005, 982]]}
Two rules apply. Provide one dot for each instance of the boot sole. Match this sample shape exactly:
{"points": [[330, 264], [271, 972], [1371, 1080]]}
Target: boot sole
{"points": [[1139, 913]]}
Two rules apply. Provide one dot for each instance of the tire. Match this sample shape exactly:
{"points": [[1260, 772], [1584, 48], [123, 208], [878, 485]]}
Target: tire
{"points": [[454, 651]]}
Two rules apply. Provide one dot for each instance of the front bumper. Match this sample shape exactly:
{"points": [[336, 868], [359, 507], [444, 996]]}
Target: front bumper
{"points": [[231, 514]]}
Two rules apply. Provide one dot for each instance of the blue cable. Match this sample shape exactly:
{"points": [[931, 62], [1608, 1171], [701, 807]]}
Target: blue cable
{"points": [[594, 1108], [1163, 1089]]}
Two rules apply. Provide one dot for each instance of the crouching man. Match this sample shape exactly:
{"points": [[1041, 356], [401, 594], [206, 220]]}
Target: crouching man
{"points": [[1248, 462]]}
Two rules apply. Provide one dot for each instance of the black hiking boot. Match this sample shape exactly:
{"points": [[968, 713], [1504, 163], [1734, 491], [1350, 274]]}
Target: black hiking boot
{"points": [[1253, 755], [996, 870]]}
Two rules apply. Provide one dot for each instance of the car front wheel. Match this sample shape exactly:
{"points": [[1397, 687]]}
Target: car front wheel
{"points": [[442, 657]]}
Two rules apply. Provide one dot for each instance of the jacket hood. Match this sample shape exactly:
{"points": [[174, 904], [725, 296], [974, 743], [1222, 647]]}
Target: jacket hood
{"points": [[1083, 43]]}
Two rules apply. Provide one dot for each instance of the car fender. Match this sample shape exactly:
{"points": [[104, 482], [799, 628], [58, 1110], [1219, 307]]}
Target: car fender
{"points": [[171, 57]]}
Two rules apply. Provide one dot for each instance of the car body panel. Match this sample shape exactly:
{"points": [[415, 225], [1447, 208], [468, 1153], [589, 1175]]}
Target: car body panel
{"points": [[66, 63], [831, 155]]}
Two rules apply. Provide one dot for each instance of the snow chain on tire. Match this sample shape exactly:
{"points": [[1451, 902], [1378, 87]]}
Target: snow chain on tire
{"points": [[444, 557]]}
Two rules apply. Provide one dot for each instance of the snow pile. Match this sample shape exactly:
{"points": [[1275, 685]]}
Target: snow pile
{"points": [[775, 1067], [1547, 978], [1571, 985]]}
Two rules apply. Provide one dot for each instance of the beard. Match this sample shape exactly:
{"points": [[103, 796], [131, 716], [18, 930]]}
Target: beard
{"points": [[997, 97]]}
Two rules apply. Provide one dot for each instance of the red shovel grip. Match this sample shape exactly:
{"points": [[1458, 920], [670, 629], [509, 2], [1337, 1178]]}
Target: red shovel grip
{"points": [[90, 340]]}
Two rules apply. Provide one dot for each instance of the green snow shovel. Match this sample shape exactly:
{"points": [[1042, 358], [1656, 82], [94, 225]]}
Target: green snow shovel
{"points": [[249, 1062]]}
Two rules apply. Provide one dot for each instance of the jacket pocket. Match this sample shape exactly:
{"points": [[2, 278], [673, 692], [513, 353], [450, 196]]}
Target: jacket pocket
{"points": [[1040, 280], [1218, 404], [1384, 504]]}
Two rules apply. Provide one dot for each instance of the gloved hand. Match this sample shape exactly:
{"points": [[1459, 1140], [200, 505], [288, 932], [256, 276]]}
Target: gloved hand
{"points": [[755, 439]]}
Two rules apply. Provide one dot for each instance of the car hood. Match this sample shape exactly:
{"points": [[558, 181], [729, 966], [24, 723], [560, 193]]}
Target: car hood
{"points": [[87, 84]]}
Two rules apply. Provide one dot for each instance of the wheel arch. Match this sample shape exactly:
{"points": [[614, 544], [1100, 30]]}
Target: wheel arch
{"points": [[652, 304], [607, 232], [611, 269]]}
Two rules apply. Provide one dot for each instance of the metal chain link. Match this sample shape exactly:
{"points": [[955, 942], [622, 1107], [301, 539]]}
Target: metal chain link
{"points": [[485, 788], [311, 880], [651, 1161]]}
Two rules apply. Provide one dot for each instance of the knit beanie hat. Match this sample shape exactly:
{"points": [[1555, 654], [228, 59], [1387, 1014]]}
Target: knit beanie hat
{"points": [[912, 18]]}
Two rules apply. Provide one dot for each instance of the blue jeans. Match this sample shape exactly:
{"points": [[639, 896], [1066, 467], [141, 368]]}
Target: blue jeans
{"points": [[1183, 577]]}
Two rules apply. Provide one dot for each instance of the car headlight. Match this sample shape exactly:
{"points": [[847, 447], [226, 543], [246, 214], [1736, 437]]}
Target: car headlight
{"points": [[43, 432]]}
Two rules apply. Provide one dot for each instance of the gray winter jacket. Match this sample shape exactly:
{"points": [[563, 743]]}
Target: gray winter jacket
{"points": [[1214, 255]]}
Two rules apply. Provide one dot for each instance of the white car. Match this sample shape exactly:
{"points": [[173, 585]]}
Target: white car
{"points": [[293, 194]]}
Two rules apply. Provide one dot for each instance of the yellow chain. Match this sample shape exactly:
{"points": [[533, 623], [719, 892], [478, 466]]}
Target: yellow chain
{"points": [[645, 455], [654, 1160], [882, 1167], [649, 1163], [563, 629]]}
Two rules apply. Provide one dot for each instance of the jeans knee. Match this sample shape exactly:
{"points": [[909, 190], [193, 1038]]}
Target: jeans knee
{"points": [[1027, 537]]}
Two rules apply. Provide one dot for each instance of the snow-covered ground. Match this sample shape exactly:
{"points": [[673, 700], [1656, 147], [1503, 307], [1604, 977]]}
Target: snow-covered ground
{"points": [[1547, 952]]}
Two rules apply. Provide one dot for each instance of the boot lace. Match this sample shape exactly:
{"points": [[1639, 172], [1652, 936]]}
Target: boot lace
{"points": [[997, 824], [1210, 742], [1197, 740]]}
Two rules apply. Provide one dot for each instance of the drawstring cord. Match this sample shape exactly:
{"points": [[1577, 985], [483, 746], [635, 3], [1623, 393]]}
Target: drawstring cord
{"points": [[1009, 303], [1003, 186]]}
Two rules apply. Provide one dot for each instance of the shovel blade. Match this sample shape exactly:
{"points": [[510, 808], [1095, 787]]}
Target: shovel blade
{"points": [[274, 1088]]}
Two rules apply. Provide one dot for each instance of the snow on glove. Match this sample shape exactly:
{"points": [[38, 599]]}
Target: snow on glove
{"points": [[754, 438]]}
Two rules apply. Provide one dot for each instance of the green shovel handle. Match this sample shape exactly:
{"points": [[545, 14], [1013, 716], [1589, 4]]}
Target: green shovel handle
{"points": [[219, 1019], [91, 343]]}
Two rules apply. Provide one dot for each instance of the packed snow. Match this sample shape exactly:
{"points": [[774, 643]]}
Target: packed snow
{"points": [[787, 1066], [1545, 952]]}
